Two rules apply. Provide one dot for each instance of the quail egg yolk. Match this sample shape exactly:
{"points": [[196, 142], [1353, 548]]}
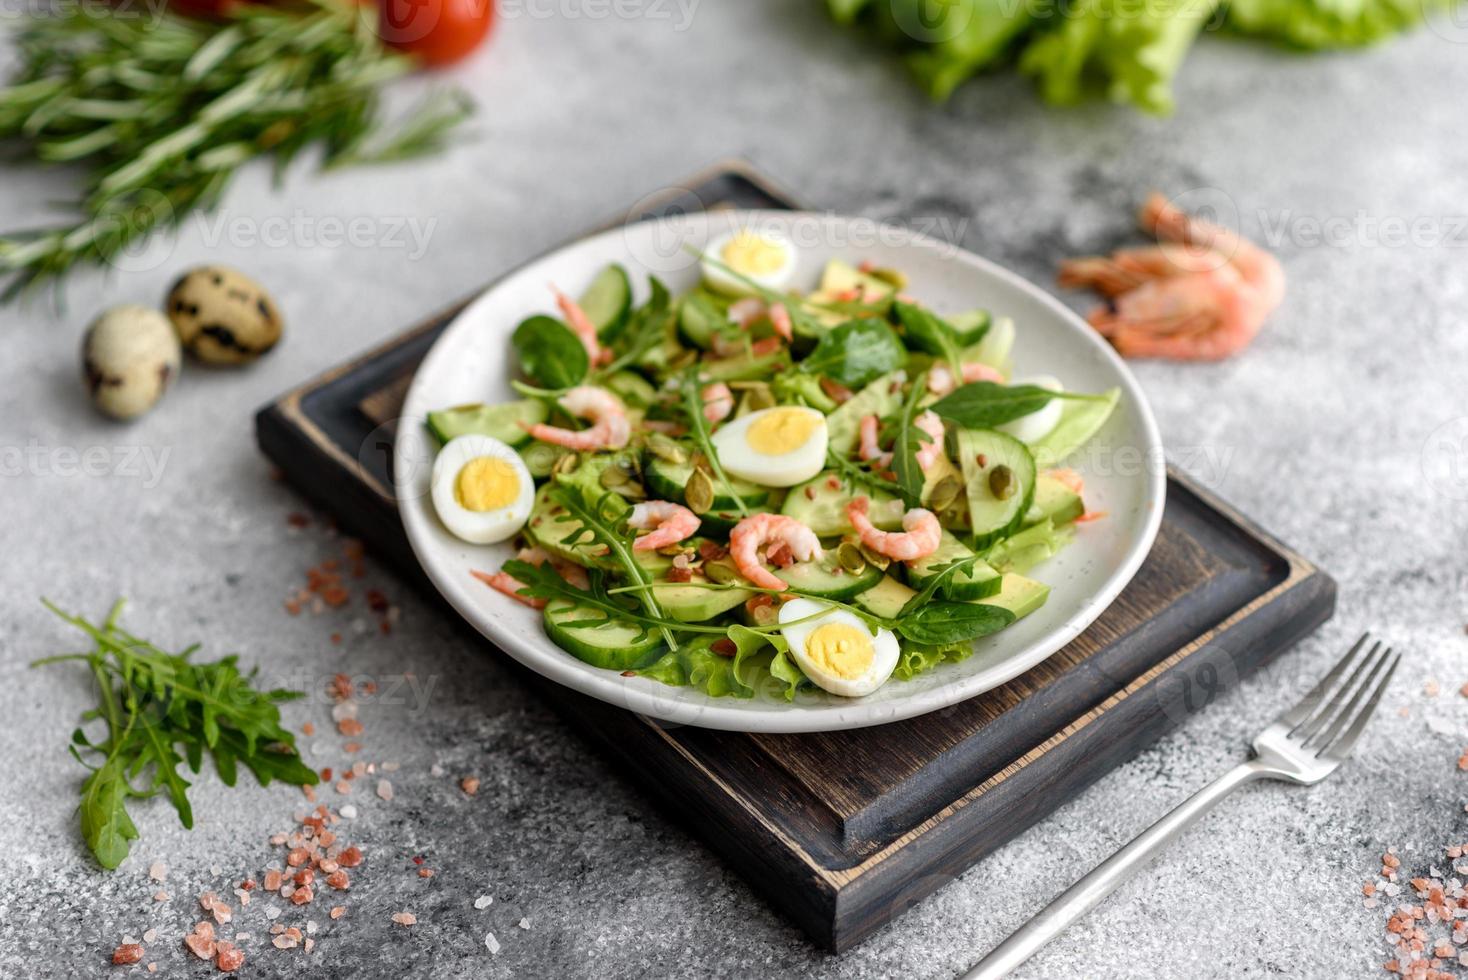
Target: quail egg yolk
{"points": [[487, 483], [781, 431], [752, 255], [841, 649]]}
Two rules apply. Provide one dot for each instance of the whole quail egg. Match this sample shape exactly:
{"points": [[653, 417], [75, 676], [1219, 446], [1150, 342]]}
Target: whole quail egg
{"points": [[129, 357], [223, 316]]}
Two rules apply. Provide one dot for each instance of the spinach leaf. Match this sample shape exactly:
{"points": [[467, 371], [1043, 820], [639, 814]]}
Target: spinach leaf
{"points": [[855, 353], [550, 352], [938, 623], [984, 404], [930, 333]]}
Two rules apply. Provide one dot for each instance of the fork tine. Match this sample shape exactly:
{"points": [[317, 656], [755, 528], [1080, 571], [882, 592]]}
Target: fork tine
{"points": [[1348, 713], [1337, 751], [1306, 706], [1310, 728]]}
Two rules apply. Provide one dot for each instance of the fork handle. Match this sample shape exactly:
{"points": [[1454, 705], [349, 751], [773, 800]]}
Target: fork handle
{"points": [[1091, 890]]}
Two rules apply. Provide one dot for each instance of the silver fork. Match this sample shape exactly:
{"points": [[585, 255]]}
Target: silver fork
{"points": [[1303, 746]]}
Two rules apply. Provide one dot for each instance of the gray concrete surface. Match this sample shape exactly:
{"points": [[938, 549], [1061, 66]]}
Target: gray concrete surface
{"points": [[1319, 432]]}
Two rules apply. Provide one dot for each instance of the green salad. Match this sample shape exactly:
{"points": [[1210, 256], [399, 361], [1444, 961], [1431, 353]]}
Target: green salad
{"points": [[755, 491]]}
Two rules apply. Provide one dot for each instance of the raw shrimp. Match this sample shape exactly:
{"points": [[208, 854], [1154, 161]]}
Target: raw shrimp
{"points": [[920, 536], [1129, 268], [941, 382], [1206, 316], [871, 449], [929, 452], [718, 402], [581, 324], [668, 522], [778, 531], [610, 427]]}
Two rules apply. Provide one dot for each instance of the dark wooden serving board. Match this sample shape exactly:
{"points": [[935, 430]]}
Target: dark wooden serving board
{"points": [[844, 831]]}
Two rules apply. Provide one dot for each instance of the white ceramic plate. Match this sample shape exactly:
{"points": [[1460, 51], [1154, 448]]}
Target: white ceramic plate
{"points": [[1123, 466]]}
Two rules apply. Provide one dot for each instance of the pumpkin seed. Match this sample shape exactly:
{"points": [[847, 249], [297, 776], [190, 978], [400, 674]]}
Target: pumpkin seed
{"points": [[1001, 482], [684, 359], [566, 465], [896, 278], [666, 449], [721, 572], [875, 557], [698, 492], [849, 557], [945, 492], [614, 477], [758, 399]]}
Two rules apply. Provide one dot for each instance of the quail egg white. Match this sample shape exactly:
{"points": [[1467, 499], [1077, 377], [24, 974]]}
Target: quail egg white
{"points": [[837, 651], [1035, 426], [766, 257], [481, 489], [774, 447]]}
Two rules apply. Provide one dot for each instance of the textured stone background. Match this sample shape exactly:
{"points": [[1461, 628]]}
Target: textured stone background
{"points": [[1319, 433]]}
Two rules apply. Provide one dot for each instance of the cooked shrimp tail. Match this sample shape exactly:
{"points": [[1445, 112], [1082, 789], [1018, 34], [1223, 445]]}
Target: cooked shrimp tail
{"points": [[610, 427], [669, 523], [782, 533]]}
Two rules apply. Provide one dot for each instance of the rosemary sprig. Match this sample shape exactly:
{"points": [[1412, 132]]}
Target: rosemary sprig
{"points": [[161, 113]]}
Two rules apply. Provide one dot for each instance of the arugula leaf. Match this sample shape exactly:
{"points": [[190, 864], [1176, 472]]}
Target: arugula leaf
{"points": [[985, 404], [930, 333], [939, 623], [855, 353], [909, 440], [698, 430], [152, 702], [550, 352]]}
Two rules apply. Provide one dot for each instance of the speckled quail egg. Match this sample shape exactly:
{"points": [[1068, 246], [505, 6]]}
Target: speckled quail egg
{"points": [[763, 256], [481, 489], [774, 447], [1037, 425], [129, 357], [223, 316], [838, 651]]}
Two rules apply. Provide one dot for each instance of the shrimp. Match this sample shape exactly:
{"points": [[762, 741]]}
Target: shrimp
{"points": [[581, 324], [749, 311], [871, 449], [668, 522], [718, 402], [1202, 294], [510, 586], [920, 536], [610, 429], [929, 452], [941, 381], [503, 581], [1200, 317], [1070, 478], [1258, 269], [778, 531], [780, 320]]}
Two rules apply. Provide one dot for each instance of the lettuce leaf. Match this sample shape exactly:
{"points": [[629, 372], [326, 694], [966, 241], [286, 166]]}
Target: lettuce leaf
{"points": [[761, 665], [1317, 24], [917, 659], [1128, 50]]}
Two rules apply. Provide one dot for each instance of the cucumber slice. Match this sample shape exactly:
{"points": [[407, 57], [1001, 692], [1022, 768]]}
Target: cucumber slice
{"points": [[820, 504], [694, 604], [635, 390], [701, 317], [828, 580], [979, 582], [613, 644], [666, 481], [608, 300], [722, 521], [541, 457], [881, 398], [505, 422], [981, 452], [971, 326], [550, 527], [886, 598], [996, 347]]}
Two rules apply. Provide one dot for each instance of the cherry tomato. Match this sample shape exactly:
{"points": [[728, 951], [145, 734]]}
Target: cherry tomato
{"points": [[438, 32]]}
